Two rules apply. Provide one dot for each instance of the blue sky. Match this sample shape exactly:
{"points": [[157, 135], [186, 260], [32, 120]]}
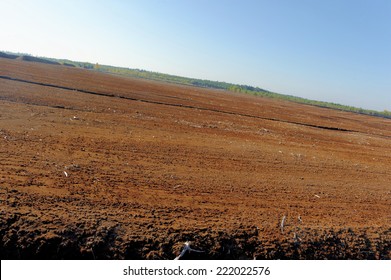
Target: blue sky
{"points": [[338, 51]]}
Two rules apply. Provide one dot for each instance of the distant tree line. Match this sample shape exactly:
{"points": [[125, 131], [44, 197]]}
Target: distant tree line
{"points": [[139, 73]]}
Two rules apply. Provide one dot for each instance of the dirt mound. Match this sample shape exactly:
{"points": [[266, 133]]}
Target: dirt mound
{"points": [[106, 167], [94, 241]]}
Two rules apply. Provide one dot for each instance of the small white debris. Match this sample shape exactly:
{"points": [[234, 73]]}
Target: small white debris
{"points": [[187, 248], [317, 196], [66, 174], [296, 237], [282, 224], [299, 218]]}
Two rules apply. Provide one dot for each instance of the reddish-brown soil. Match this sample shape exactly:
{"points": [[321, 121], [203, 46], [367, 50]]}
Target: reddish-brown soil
{"points": [[99, 166]]}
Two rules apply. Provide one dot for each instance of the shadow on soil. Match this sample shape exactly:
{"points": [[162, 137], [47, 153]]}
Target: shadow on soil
{"points": [[102, 242]]}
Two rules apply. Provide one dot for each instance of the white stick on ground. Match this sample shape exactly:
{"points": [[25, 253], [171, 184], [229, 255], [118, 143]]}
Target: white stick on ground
{"points": [[185, 249], [282, 223]]}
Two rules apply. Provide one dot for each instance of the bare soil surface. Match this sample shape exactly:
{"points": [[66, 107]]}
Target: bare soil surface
{"points": [[97, 166]]}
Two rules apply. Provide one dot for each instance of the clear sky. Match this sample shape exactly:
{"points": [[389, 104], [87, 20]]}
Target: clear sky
{"points": [[334, 50]]}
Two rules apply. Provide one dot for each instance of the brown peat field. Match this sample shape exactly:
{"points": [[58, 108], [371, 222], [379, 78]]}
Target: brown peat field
{"points": [[97, 166]]}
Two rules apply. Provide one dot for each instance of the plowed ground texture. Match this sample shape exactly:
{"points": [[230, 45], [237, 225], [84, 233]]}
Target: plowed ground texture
{"points": [[97, 166]]}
